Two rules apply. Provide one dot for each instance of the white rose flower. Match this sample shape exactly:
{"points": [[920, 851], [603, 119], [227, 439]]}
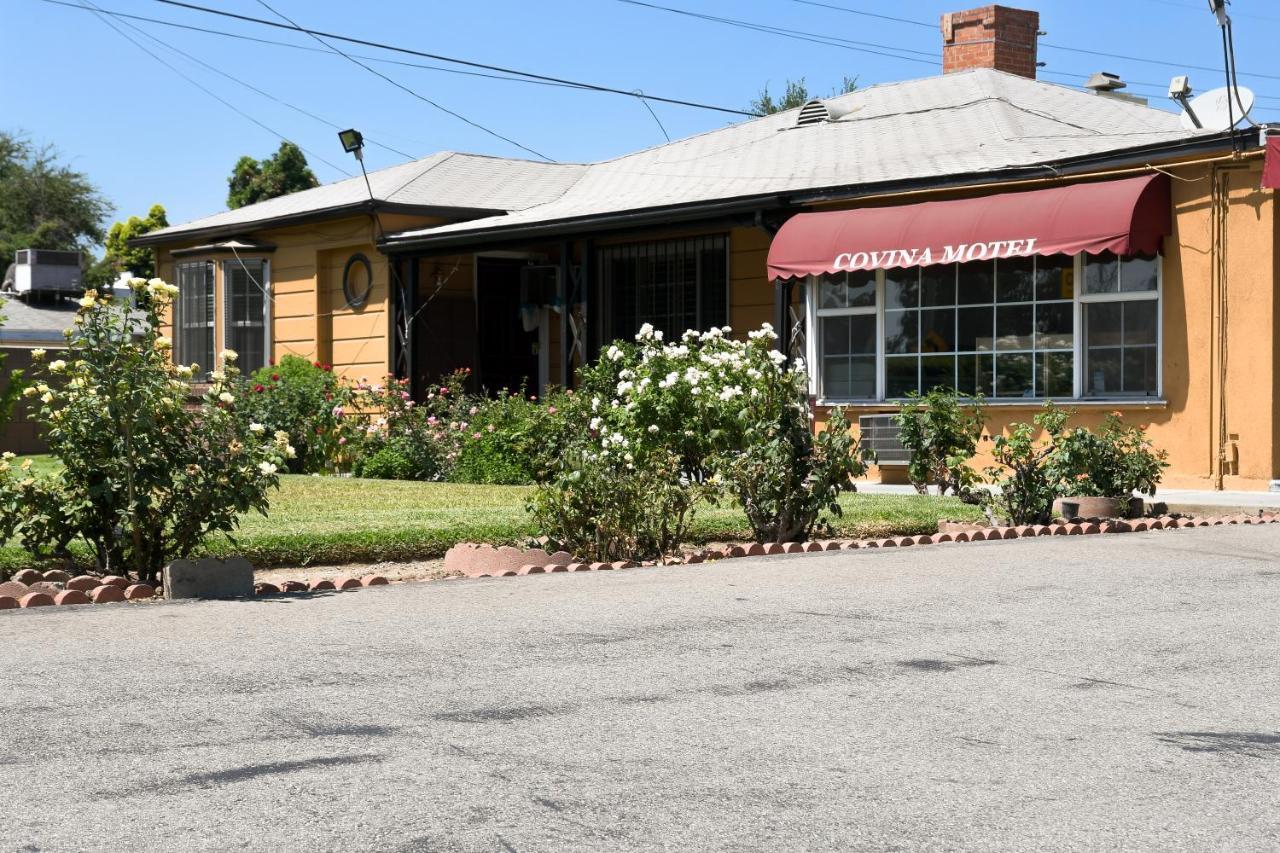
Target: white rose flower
{"points": [[257, 428], [267, 468], [46, 397], [29, 391], [226, 397], [137, 283], [653, 428], [37, 353], [163, 342], [57, 366], [87, 302], [228, 355], [8, 454]]}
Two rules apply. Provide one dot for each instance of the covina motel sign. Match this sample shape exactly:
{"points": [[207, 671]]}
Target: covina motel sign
{"points": [[889, 258]]}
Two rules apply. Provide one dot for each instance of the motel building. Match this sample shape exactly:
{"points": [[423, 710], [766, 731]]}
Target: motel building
{"points": [[980, 229]]}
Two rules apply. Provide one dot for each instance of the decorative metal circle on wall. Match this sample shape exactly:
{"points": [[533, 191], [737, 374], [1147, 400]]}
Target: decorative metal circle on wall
{"points": [[357, 280]]}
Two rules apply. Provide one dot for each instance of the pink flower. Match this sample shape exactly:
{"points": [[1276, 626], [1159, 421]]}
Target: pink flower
{"points": [[475, 435], [551, 410], [404, 395], [491, 427], [473, 410], [432, 420], [443, 390], [342, 441], [338, 412]]}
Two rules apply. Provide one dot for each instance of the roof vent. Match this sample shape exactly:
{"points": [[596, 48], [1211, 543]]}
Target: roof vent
{"points": [[1105, 81], [818, 111], [1109, 85]]}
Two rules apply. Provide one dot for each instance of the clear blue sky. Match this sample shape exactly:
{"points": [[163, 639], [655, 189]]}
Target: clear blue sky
{"points": [[144, 135]]}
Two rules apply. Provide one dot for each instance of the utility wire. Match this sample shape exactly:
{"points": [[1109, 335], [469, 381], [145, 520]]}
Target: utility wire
{"points": [[454, 60], [261, 92], [375, 72], [1062, 47], [106, 20], [800, 35], [325, 51], [655, 115]]}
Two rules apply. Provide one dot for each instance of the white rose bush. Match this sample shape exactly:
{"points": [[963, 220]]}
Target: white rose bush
{"points": [[659, 427], [146, 475]]}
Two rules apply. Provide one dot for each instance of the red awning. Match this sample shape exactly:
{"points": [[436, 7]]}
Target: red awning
{"points": [[1271, 164], [1128, 216]]}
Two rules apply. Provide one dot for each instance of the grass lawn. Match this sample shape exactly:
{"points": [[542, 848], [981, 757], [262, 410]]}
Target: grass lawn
{"points": [[326, 520]]}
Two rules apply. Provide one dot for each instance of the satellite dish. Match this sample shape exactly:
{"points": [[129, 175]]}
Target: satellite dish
{"points": [[1216, 108]]}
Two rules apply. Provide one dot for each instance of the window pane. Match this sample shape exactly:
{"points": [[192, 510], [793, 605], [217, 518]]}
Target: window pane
{"points": [[975, 328], [1054, 322], [900, 335], [1138, 274], [245, 311], [194, 315], [1015, 278], [977, 282], [1055, 277], [1140, 371], [849, 335], [1101, 273], [938, 285], [849, 378], [1054, 374], [848, 290], [1102, 371], [936, 370], [938, 330], [974, 374], [1140, 322], [902, 288], [1102, 323], [1013, 327], [900, 375], [1013, 375]]}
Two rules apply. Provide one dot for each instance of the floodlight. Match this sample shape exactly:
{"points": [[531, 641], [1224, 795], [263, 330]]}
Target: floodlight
{"points": [[352, 142]]}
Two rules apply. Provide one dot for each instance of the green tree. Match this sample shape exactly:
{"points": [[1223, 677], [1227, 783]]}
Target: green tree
{"points": [[282, 173], [43, 203], [121, 256], [795, 95]]}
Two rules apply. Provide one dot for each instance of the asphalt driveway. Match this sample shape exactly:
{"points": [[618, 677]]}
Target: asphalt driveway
{"points": [[1117, 692]]}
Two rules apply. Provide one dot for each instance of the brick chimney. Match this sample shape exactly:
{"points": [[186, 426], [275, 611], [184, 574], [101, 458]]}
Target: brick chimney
{"points": [[991, 37]]}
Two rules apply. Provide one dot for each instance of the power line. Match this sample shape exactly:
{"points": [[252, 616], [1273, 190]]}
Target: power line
{"points": [[261, 92], [800, 35], [454, 60], [1062, 47], [408, 90], [106, 20], [321, 50]]}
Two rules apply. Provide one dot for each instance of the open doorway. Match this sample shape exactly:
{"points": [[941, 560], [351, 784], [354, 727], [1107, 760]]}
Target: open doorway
{"points": [[507, 337]]}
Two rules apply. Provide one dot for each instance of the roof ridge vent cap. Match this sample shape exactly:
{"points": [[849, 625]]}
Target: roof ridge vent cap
{"points": [[817, 111]]}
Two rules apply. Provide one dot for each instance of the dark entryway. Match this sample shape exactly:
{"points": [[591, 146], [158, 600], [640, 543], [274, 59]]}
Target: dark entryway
{"points": [[508, 354]]}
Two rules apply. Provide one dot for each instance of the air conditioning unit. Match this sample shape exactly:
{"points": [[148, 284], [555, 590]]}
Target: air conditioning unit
{"points": [[881, 434], [46, 271]]}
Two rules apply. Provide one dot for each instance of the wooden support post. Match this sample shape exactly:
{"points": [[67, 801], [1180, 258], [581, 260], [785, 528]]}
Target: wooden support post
{"points": [[566, 305]]}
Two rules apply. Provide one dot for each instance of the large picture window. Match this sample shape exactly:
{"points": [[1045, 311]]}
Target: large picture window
{"points": [[1009, 329], [245, 316], [673, 284], [194, 314]]}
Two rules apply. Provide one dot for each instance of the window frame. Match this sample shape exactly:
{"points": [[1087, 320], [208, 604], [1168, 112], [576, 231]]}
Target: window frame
{"points": [[813, 354], [267, 299]]}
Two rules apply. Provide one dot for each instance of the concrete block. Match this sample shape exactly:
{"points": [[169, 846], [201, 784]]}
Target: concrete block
{"points": [[209, 578]]}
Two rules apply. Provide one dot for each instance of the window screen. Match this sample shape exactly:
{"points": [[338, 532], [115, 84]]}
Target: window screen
{"points": [[194, 314], [245, 311]]}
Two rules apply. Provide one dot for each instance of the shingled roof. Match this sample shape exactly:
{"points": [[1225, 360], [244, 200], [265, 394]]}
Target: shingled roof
{"points": [[975, 121]]}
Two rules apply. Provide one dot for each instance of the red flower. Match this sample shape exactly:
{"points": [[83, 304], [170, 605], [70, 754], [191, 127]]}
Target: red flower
{"points": [[275, 377], [315, 364], [326, 367], [258, 389]]}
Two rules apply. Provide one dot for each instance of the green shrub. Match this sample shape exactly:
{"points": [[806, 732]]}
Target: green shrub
{"points": [[144, 478], [1026, 470], [390, 462], [1114, 462], [942, 429], [305, 400], [508, 438]]}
